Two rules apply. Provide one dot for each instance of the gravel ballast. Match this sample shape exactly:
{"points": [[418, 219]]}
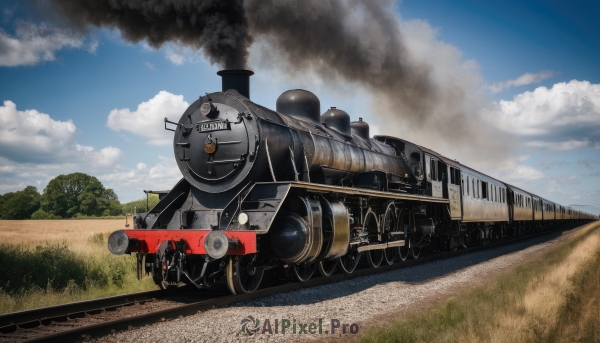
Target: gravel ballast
{"points": [[361, 301]]}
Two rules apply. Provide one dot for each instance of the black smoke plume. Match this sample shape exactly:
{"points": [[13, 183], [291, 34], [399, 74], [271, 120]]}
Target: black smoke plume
{"points": [[218, 27], [358, 41], [326, 34]]}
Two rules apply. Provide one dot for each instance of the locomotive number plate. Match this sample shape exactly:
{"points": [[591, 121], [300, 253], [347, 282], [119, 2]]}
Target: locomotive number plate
{"points": [[213, 126]]}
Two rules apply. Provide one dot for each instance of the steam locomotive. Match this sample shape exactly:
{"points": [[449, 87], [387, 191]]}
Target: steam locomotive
{"points": [[301, 191]]}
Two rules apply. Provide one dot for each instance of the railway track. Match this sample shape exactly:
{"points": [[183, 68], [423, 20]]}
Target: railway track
{"points": [[83, 320]]}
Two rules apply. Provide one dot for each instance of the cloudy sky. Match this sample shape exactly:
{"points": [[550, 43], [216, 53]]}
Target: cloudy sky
{"points": [[515, 84]]}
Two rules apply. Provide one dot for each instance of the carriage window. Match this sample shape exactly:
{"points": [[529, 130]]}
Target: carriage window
{"points": [[484, 190], [462, 183], [457, 175], [433, 170], [520, 200], [468, 187], [473, 188], [452, 180]]}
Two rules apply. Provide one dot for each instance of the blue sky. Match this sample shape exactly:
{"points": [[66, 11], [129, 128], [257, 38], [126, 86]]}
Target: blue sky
{"points": [[93, 103]]}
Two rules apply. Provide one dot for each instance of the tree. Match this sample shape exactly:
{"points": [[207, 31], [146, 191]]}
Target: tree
{"points": [[21, 204], [78, 194]]}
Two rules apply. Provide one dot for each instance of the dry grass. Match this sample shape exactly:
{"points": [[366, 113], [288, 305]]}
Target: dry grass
{"points": [[527, 304], [75, 233], [76, 248]]}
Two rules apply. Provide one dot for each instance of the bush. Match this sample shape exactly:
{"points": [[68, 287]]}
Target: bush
{"points": [[97, 239], [41, 214], [55, 267]]}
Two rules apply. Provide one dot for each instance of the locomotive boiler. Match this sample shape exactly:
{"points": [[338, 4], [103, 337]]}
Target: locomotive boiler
{"points": [[294, 190]]}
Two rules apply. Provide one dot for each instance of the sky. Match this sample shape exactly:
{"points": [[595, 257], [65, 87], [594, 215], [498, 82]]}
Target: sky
{"points": [[517, 95]]}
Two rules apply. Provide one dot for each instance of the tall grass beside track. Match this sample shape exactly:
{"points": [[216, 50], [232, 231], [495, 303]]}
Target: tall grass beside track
{"points": [[71, 268], [555, 298]]}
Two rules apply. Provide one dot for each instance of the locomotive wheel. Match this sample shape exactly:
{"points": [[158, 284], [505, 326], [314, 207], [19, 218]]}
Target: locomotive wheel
{"points": [[453, 243], [495, 236], [390, 255], [348, 262], [404, 250], [414, 251], [375, 257], [463, 241], [303, 272], [243, 275], [390, 225], [326, 268], [481, 237]]}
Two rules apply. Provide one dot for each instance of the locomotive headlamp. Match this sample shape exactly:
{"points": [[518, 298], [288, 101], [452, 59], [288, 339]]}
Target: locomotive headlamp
{"points": [[216, 244], [118, 242], [243, 218], [207, 108]]}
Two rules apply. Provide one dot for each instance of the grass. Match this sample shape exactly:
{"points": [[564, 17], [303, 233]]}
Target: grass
{"points": [[554, 298], [50, 262]]}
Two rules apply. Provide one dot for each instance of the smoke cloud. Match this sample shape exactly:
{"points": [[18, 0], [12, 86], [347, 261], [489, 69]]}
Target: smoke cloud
{"points": [[419, 88], [218, 27], [357, 41]]}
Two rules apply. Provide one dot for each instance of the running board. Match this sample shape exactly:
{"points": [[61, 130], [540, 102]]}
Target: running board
{"points": [[381, 246]]}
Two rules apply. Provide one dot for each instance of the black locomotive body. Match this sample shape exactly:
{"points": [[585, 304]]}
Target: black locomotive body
{"points": [[299, 191]]}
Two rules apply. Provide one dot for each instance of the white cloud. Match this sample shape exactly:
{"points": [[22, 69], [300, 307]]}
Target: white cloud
{"points": [[565, 145], [148, 119], [519, 174], [35, 148], [33, 137], [564, 117], [131, 182], [564, 180], [525, 173], [525, 79], [33, 44], [150, 66], [176, 57]]}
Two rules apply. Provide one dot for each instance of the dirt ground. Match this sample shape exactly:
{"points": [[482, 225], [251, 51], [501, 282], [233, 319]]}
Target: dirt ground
{"points": [[74, 232]]}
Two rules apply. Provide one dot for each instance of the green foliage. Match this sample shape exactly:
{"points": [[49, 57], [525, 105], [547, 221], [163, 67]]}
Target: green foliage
{"points": [[78, 193], [97, 239], [140, 205], [41, 214], [56, 267], [21, 204]]}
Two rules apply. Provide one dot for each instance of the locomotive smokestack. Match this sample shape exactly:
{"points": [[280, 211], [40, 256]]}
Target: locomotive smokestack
{"points": [[238, 79]]}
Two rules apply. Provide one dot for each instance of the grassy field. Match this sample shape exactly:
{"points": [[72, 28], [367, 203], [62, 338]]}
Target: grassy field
{"points": [[554, 298], [49, 262]]}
